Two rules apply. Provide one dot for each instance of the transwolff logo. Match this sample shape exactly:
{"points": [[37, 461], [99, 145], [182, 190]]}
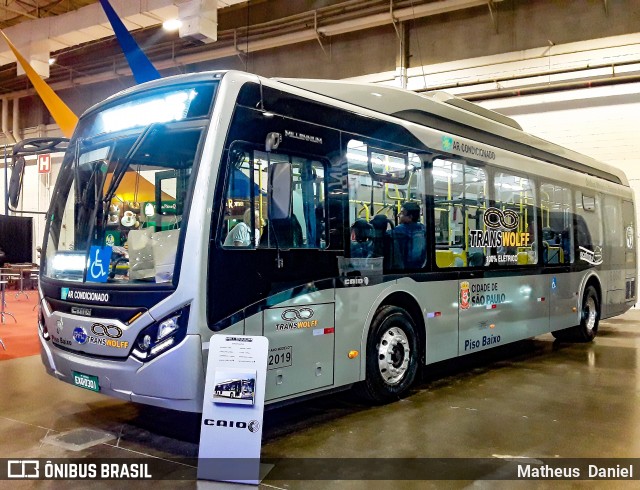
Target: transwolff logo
{"points": [[297, 318]]}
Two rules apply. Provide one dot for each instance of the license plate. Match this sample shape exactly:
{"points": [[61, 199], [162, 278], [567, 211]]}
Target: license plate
{"points": [[86, 381]]}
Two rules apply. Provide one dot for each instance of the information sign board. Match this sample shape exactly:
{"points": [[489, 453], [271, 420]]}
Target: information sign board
{"points": [[231, 432]]}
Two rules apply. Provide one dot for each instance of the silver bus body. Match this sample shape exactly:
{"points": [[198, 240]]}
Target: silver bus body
{"points": [[319, 334]]}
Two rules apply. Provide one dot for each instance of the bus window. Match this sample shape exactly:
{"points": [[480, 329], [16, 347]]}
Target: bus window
{"points": [[460, 200], [381, 185], [630, 238], [589, 223], [301, 225], [244, 198], [514, 217], [557, 224], [614, 234]]}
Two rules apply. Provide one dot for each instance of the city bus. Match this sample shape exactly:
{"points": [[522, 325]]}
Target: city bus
{"points": [[365, 230], [235, 388]]}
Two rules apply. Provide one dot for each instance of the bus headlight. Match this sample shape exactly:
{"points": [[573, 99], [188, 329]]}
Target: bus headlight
{"points": [[161, 336]]}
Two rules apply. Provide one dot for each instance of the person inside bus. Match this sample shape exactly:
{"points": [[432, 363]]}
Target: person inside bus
{"points": [[361, 239], [381, 225], [408, 239], [283, 233], [240, 235]]}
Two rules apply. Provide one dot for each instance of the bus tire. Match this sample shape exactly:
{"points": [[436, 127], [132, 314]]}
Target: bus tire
{"points": [[589, 316], [587, 330], [392, 356]]}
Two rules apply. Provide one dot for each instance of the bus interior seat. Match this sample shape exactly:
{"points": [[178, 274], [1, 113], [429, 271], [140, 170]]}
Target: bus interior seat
{"points": [[476, 259], [549, 235], [381, 224], [450, 258], [140, 248], [556, 245], [444, 258], [401, 245], [552, 254], [288, 233], [362, 242]]}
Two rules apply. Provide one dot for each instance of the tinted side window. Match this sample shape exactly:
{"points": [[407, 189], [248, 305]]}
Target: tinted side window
{"points": [[514, 215], [460, 202], [556, 206], [386, 205], [589, 226], [303, 223], [614, 234]]}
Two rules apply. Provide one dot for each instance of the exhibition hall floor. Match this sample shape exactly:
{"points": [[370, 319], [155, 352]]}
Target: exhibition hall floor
{"points": [[536, 399]]}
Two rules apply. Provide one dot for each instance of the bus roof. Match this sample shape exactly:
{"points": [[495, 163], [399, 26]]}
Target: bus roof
{"points": [[410, 106], [413, 107]]}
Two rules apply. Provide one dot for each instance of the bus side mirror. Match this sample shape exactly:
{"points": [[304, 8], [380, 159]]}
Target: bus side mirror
{"points": [[279, 192], [15, 184]]}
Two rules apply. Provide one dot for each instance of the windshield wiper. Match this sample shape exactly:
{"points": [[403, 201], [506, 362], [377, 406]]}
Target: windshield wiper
{"points": [[121, 167], [119, 172]]}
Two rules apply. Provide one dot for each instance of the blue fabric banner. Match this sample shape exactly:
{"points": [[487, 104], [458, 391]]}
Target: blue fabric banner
{"points": [[143, 70]]}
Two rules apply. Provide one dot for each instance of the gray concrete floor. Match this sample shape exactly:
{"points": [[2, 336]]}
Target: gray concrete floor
{"points": [[535, 398]]}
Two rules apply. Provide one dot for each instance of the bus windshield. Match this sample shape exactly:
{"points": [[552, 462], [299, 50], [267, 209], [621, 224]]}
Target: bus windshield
{"points": [[118, 206]]}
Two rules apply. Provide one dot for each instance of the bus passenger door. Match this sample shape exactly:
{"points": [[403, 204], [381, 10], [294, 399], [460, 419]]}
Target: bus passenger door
{"points": [[557, 240], [301, 348]]}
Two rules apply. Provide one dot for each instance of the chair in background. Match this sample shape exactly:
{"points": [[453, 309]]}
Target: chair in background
{"points": [[3, 311], [23, 272]]}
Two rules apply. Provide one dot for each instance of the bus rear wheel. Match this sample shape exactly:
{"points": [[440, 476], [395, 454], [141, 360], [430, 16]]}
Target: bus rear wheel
{"points": [[392, 356], [589, 316], [587, 330]]}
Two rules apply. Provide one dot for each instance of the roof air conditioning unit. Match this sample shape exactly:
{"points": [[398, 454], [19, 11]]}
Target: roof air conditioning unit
{"points": [[199, 20]]}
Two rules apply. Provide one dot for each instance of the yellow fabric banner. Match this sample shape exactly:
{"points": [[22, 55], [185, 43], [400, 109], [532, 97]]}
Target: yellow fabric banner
{"points": [[64, 117]]}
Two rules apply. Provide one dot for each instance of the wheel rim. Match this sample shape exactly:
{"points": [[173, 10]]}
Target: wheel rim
{"points": [[590, 313], [394, 353]]}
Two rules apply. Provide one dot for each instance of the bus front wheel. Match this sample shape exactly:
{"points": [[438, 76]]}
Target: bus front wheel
{"points": [[392, 355]]}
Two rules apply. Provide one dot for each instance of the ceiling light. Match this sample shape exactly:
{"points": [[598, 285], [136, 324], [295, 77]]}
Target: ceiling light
{"points": [[171, 24]]}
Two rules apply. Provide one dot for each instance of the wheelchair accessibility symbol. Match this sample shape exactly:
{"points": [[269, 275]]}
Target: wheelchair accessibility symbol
{"points": [[99, 260]]}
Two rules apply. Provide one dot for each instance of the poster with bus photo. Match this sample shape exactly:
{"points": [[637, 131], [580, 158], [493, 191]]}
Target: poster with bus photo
{"points": [[234, 386]]}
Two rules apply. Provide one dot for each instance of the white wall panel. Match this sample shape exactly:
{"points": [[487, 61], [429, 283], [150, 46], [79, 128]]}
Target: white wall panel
{"points": [[601, 122]]}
